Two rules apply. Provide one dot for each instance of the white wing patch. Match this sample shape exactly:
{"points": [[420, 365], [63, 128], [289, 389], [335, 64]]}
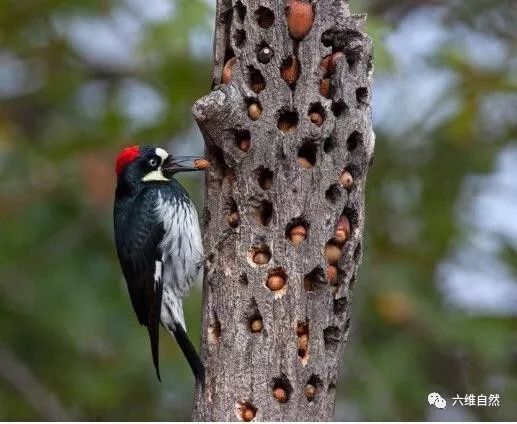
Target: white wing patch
{"points": [[157, 271]]}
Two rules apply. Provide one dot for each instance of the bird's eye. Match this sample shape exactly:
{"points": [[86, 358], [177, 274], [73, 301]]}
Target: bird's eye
{"points": [[153, 162]]}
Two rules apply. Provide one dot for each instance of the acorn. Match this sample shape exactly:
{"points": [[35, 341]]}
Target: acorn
{"points": [[245, 144], [342, 229], [257, 87], [254, 111], [325, 87], [328, 64], [228, 71], [248, 413], [302, 328], [346, 180], [290, 70], [298, 234], [280, 394], [304, 163], [285, 126], [316, 118], [233, 219], [310, 392], [265, 54], [332, 253], [256, 325], [300, 17], [275, 282], [332, 275], [261, 258], [201, 164], [303, 342]]}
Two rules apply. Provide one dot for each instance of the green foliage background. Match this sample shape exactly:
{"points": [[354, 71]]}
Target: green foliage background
{"points": [[65, 317]]}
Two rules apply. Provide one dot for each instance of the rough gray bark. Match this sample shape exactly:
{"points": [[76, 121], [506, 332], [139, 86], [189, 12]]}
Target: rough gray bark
{"points": [[272, 351]]}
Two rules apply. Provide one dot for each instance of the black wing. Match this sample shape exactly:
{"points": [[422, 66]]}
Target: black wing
{"points": [[138, 233]]}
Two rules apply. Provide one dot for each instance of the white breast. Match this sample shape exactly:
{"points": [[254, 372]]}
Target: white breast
{"points": [[181, 245]]}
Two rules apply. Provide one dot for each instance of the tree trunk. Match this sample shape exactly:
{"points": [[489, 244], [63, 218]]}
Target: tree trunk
{"points": [[287, 128]]}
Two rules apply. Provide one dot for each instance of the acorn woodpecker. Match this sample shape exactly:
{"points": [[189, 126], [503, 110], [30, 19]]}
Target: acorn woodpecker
{"points": [[158, 242]]}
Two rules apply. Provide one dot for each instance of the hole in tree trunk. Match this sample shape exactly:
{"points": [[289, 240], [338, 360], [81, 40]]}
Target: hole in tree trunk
{"points": [[329, 145], [233, 213], [264, 177], [361, 95], [243, 140], [338, 108], [296, 231], [302, 331], [264, 53], [312, 387], [317, 114], [333, 194], [331, 337], [263, 212], [307, 155], [239, 37], [287, 120], [214, 330], [259, 255], [340, 305], [253, 317], [354, 140], [256, 80], [282, 388], [277, 282], [290, 71], [245, 411], [314, 280], [240, 9], [265, 17]]}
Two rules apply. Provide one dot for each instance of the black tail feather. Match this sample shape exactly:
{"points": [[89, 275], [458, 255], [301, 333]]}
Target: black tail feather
{"points": [[154, 337], [190, 353]]}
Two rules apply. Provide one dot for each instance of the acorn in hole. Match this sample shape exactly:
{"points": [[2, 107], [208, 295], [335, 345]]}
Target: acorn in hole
{"points": [[254, 111], [300, 17], [275, 282], [325, 87], [290, 70], [304, 163], [256, 325], [248, 413], [316, 118], [280, 394], [228, 71], [332, 252], [245, 144], [298, 234], [261, 257], [265, 55], [346, 180], [310, 392], [233, 219], [332, 275], [328, 64], [342, 229]]}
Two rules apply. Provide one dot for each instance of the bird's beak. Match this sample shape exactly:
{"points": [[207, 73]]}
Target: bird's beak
{"points": [[176, 164]]}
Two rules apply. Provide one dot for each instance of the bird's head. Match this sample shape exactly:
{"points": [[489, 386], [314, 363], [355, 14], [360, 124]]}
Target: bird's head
{"points": [[141, 164]]}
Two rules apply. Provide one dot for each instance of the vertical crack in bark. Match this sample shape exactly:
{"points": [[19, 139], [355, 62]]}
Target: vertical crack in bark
{"points": [[288, 129]]}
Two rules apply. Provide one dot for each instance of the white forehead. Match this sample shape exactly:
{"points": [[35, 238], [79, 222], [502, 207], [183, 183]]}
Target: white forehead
{"points": [[162, 153]]}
